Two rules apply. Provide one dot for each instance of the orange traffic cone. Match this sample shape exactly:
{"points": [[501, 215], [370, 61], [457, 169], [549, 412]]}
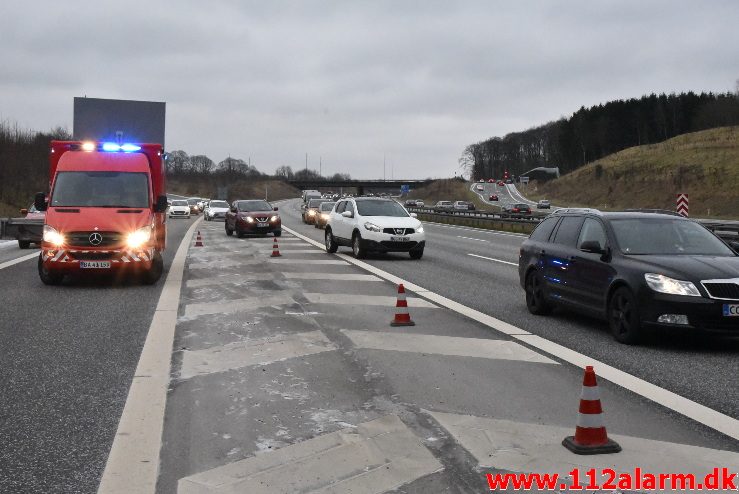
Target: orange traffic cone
{"points": [[198, 240], [275, 249], [402, 317], [590, 434]]}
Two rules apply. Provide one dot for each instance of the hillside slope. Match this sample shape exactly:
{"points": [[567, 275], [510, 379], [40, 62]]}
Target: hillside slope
{"points": [[705, 165]]}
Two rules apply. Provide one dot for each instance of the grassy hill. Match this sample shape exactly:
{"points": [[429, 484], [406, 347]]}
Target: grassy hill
{"points": [[705, 165]]}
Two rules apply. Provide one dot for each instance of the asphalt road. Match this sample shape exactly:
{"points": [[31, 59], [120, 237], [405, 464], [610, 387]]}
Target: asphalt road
{"points": [[703, 369], [68, 356]]}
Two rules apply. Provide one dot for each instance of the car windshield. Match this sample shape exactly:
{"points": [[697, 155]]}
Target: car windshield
{"points": [[253, 206], [179, 203], [380, 208], [193, 202], [101, 189], [659, 236], [327, 206], [218, 204], [314, 203]]}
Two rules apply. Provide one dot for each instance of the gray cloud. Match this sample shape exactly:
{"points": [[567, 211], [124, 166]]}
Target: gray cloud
{"points": [[349, 81]]}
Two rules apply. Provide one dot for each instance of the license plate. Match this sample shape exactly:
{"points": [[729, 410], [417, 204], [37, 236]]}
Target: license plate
{"points": [[261, 224], [731, 310], [399, 239], [95, 264]]}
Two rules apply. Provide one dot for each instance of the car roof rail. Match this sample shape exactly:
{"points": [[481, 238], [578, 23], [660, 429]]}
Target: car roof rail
{"points": [[653, 211], [577, 210]]}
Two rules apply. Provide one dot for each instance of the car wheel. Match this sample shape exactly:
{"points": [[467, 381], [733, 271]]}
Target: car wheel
{"points": [[623, 316], [536, 301], [24, 244], [359, 251], [278, 233], [229, 232], [416, 254], [240, 233], [331, 245], [155, 271], [48, 277]]}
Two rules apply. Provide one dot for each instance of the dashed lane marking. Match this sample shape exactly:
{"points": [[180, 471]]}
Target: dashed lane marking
{"points": [[495, 260], [471, 238], [480, 230], [689, 408], [375, 457], [133, 462], [18, 260], [238, 305], [282, 260], [230, 278], [445, 345], [522, 447], [224, 263], [245, 353], [381, 300], [331, 276]]}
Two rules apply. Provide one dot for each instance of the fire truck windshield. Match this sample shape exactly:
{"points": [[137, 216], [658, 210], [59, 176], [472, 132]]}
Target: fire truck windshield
{"points": [[101, 189]]}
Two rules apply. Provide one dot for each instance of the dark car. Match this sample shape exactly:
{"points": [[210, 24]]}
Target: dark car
{"points": [[493, 197], [543, 204], [516, 210], [253, 216], [193, 203], [311, 210], [635, 270]]}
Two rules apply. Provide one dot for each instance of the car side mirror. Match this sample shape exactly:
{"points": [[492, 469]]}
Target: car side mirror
{"points": [[347, 214], [732, 243], [39, 201], [414, 215], [275, 209], [161, 206], [592, 246], [24, 212]]}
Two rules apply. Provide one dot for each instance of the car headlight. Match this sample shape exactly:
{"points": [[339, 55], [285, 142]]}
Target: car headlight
{"points": [[419, 229], [274, 218], [311, 213], [136, 239], [372, 227], [52, 236], [664, 284], [249, 219]]}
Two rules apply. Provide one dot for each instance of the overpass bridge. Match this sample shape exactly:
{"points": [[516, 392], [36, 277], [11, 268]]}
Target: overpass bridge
{"points": [[360, 185]]}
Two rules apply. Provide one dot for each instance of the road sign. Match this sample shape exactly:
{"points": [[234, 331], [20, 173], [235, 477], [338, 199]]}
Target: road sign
{"points": [[523, 180], [405, 189], [682, 204]]}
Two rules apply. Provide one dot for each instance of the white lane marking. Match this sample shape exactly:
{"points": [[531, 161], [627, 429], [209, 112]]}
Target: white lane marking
{"points": [[495, 260], [223, 263], [230, 278], [282, 260], [246, 353], [471, 238], [18, 260], [331, 276], [238, 305], [133, 462], [684, 406], [445, 345], [357, 300], [522, 447], [294, 251], [374, 457], [481, 230]]}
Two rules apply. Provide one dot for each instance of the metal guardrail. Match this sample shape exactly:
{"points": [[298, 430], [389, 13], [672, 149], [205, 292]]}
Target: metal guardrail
{"points": [[11, 228]]}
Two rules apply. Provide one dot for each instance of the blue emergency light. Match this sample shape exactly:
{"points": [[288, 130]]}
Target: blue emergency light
{"points": [[126, 148]]}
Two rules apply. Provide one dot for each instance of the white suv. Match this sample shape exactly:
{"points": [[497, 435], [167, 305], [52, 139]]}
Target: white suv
{"points": [[374, 224]]}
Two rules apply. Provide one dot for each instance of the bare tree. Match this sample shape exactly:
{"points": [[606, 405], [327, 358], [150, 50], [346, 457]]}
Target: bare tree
{"points": [[202, 164]]}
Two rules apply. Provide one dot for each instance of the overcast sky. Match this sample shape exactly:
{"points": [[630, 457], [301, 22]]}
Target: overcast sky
{"points": [[352, 81]]}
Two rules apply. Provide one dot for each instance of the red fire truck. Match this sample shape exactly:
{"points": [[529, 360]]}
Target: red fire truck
{"points": [[105, 211]]}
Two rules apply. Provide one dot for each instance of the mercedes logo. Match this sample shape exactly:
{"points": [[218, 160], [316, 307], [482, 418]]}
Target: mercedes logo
{"points": [[96, 238]]}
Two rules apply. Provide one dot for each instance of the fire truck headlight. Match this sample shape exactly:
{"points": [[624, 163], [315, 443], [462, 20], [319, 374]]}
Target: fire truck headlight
{"points": [[139, 237], [52, 236]]}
